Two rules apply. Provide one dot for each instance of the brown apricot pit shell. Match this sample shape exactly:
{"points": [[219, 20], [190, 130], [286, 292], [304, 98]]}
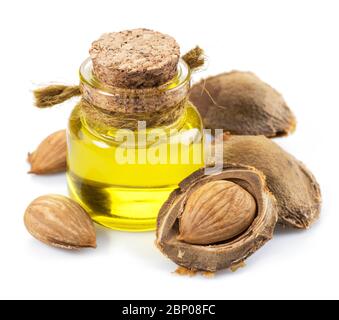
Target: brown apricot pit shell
{"points": [[242, 104], [225, 254], [293, 185]]}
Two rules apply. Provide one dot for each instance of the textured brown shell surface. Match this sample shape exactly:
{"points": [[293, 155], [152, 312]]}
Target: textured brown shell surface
{"points": [[50, 156], [137, 58], [225, 254], [294, 186], [61, 222], [217, 211], [242, 104]]}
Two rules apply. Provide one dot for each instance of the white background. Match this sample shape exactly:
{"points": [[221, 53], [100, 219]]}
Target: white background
{"points": [[293, 45]]}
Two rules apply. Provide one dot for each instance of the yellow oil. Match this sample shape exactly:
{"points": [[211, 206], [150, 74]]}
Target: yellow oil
{"points": [[128, 196]]}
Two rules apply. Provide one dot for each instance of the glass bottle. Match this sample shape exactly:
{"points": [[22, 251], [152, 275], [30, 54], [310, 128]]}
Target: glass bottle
{"points": [[122, 167]]}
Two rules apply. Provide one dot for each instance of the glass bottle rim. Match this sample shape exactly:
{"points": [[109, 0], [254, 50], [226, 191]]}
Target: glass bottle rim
{"points": [[181, 80]]}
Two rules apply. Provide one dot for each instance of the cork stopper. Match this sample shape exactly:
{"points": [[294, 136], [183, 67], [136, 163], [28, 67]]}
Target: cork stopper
{"points": [[138, 58]]}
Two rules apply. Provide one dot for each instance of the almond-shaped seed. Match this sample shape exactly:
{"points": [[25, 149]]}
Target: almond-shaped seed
{"points": [[216, 211], [60, 222], [50, 156]]}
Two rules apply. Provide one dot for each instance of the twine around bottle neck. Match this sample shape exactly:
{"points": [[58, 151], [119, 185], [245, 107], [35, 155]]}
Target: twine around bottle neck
{"points": [[123, 108]]}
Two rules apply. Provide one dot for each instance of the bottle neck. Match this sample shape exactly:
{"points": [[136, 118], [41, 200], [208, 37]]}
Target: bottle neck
{"points": [[123, 108]]}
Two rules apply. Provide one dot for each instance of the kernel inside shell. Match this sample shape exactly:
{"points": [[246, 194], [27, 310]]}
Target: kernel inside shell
{"points": [[216, 211], [224, 254]]}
